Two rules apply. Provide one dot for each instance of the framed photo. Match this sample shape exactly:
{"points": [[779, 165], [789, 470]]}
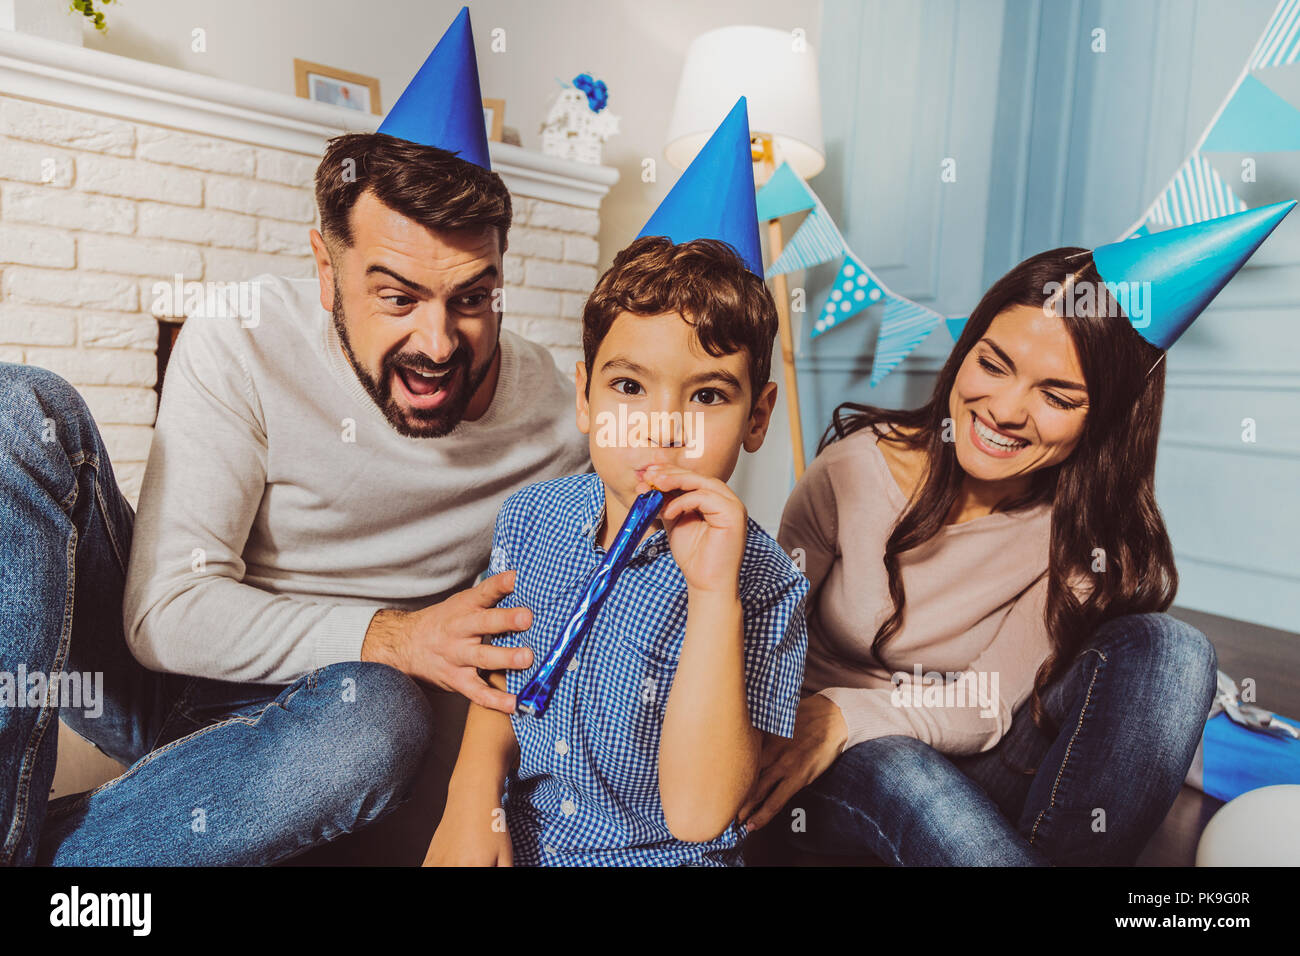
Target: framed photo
{"points": [[494, 118], [325, 84]]}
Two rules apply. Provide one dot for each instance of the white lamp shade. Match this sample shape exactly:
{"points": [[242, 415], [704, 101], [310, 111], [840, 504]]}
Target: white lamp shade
{"points": [[777, 76]]}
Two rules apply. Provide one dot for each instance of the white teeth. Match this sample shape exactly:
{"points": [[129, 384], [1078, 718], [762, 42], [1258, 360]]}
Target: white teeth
{"points": [[430, 374], [993, 438]]}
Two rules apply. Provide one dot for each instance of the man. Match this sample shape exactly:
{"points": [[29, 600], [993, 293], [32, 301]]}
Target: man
{"points": [[318, 502]]}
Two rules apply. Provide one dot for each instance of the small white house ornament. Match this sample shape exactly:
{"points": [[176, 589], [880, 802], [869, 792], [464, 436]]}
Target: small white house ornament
{"points": [[578, 124]]}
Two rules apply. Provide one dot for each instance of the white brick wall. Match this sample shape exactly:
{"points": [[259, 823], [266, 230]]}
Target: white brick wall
{"points": [[94, 210]]}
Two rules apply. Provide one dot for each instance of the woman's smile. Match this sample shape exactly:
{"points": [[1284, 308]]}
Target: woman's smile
{"points": [[993, 442]]}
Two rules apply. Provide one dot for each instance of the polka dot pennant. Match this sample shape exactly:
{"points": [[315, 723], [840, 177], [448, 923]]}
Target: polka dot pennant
{"points": [[854, 290]]}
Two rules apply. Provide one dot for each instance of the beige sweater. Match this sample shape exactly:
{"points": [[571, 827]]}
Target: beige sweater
{"points": [[976, 595], [280, 510]]}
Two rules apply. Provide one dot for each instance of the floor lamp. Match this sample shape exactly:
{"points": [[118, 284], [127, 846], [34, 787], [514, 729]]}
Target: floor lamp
{"points": [[776, 71]]}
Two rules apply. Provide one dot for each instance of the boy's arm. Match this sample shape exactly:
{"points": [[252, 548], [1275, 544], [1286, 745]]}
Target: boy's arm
{"points": [[472, 830], [488, 749], [708, 754]]}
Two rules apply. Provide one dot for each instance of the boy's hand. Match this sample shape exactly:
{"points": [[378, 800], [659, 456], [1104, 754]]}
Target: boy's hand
{"points": [[471, 833], [706, 525]]}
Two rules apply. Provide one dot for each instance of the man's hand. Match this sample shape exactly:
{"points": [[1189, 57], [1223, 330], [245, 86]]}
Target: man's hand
{"points": [[790, 764], [443, 644]]}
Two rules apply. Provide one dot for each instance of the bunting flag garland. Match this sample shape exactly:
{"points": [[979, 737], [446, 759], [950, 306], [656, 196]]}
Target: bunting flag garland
{"points": [[855, 289], [817, 240], [783, 194], [903, 327], [1280, 44], [1196, 194], [1252, 118]]}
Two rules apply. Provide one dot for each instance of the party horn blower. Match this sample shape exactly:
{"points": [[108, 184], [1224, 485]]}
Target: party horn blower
{"points": [[536, 696]]}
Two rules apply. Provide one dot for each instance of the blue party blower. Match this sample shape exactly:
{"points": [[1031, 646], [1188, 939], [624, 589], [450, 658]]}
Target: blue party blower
{"points": [[536, 696]]}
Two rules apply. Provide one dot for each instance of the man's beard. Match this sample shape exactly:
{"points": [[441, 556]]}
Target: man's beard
{"points": [[462, 378]]}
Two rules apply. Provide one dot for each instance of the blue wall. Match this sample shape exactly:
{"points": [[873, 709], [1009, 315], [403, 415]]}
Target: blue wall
{"points": [[1058, 145]]}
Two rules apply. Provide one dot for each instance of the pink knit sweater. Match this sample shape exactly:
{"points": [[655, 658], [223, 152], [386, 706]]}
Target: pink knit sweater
{"points": [[976, 594]]}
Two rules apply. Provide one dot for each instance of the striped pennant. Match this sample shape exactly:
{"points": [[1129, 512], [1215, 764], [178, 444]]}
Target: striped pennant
{"points": [[1196, 194], [1280, 44], [815, 241], [903, 327]]}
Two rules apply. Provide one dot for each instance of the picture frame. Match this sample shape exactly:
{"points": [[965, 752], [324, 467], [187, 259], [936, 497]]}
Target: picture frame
{"points": [[494, 118], [327, 84]]}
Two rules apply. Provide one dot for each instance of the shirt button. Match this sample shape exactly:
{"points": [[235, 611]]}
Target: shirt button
{"points": [[568, 808], [561, 747], [548, 848], [573, 664]]}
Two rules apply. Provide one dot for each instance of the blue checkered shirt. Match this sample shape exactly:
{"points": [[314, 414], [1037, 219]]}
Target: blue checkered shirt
{"points": [[586, 792]]}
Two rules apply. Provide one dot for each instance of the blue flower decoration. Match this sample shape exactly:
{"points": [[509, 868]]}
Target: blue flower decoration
{"points": [[597, 92]]}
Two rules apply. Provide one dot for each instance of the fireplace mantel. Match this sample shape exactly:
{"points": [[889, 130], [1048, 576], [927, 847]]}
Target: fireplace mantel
{"points": [[93, 81]]}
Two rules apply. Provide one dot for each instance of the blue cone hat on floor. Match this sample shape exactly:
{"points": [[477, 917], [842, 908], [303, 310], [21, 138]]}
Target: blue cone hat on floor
{"points": [[714, 198], [442, 105], [1186, 266]]}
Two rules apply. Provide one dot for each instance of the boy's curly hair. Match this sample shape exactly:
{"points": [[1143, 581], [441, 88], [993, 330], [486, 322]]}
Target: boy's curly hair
{"points": [[703, 280]]}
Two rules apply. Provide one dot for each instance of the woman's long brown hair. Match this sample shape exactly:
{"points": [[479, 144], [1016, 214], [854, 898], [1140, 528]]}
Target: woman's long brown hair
{"points": [[1102, 495]]}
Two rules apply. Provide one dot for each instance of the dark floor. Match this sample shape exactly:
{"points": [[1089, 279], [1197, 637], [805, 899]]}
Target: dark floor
{"points": [[1270, 656]]}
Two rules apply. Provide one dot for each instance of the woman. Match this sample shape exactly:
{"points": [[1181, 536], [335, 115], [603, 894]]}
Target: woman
{"points": [[1024, 562]]}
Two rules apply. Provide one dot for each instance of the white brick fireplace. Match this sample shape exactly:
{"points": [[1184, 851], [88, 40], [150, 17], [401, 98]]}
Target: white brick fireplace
{"points": [[116, 175]]}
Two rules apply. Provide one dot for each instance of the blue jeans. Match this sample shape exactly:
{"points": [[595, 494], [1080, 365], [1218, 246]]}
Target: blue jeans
{"points": [[219, 772], [1130, 707]]}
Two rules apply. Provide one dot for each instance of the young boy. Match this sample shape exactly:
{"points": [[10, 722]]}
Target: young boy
{"points": [[652, 739]]}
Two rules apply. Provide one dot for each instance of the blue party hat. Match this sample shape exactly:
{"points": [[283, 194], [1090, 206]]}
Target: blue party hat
{"points": [[1186, 267], [442, 105], [714, 198]]}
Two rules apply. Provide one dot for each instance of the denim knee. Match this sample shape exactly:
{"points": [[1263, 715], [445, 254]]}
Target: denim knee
{"points": [[381, 724], [897, 767], [1163, 649], [42, 412]]}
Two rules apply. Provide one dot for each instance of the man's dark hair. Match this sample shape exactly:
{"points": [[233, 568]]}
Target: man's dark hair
{"points": [[429, 185], [705, 281]]}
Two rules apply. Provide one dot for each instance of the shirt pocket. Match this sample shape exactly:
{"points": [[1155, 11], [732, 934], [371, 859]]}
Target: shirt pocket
{"points": [[633, 697]]}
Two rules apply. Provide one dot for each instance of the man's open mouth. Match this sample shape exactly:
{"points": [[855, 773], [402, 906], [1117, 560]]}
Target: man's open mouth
{"points": [[423, 389]]}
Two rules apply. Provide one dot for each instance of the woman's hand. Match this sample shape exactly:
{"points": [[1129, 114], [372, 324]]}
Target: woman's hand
{"points": [[790, 764]]}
